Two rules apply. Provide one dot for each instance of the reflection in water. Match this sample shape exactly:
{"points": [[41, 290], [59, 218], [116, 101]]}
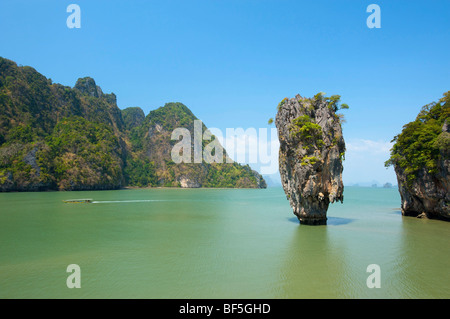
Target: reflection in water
{"points": [[331, 261], [424, 259], [332, 221], [200, 243], [335, 221], [314, 266]]}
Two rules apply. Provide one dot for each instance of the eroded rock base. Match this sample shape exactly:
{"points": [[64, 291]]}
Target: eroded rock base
{"points": [[312, 221]]}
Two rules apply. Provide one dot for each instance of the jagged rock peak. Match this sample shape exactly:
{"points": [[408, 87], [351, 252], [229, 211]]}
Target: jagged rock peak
{"points": [[312, 149], [87, 86]]}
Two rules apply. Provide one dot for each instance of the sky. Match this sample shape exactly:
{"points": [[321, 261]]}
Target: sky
{"points": [[232, 61]]}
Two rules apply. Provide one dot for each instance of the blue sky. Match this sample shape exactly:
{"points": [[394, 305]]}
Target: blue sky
{"points": [[232, 61]]}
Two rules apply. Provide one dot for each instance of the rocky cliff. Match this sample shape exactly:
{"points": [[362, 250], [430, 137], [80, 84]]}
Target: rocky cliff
{"points": [[62, 138], [421, 159], [153, 142], [133, 117], [311, 152]]}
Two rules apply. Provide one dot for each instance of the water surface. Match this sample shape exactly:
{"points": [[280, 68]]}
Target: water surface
{"points": [[216, 243]]}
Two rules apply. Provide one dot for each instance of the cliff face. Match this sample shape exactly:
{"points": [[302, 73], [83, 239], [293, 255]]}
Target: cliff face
{"points": [[428, 195], [154, 143], [421, 159], [62, 138], [133, 117], [311, 152]]}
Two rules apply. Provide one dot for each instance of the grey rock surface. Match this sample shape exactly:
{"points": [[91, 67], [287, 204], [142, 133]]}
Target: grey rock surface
{"points": [[311, 152], [428, 196]]}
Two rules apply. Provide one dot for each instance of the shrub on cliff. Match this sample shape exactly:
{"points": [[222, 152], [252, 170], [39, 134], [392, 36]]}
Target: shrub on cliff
{"points": [[57, 137], [422, 143], [82, 155]]}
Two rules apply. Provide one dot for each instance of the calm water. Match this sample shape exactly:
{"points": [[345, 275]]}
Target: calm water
{"points": [[216, 243]]}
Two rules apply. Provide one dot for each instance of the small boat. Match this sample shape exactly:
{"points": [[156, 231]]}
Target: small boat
{"points": [[84, 201]]}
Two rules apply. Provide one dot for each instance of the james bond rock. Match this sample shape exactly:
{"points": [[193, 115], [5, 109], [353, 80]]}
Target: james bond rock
{"points": [[312, 149]]}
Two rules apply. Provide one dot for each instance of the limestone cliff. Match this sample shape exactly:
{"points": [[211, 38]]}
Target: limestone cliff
{"points": [[421, 158], [311, 152], [428, 195], [54, 137], [156, 145]]}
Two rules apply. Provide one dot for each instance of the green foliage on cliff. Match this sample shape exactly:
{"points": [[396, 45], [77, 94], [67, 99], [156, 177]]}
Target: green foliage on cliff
{"points": [[57, 137], [133, 117], [319, 96], [306, 131], [171, 116], [230, 176], [282, 102], [306, 160], [309, 132], [422, 143], [152, 141], [139, 172], [334, 103], [83, 154]]}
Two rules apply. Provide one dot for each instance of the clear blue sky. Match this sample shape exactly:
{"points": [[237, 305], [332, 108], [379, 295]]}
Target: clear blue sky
{"points": [[232, 61]]}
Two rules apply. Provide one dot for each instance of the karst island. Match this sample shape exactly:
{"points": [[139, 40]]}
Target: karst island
{"points": [[312, 149]]}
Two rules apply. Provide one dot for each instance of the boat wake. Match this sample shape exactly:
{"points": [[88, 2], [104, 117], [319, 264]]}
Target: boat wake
{"points": [[130, 201]]}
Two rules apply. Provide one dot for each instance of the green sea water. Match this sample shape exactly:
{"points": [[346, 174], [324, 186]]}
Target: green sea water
{"points": [[217, 243]]}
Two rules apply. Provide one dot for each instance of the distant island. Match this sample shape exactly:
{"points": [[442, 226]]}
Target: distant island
{"points": [[54, 137], [421, 158]]}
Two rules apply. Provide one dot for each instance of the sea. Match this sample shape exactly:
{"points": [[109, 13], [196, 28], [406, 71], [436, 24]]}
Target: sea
{"points": [[164, 243]]}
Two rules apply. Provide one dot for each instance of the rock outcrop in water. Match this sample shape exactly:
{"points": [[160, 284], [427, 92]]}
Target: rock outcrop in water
{"points": [[421, 159], [429, 194], [312, 149]]}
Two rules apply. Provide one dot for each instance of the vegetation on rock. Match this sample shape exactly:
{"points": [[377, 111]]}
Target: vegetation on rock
{"points": [[423, 143], [56, 137], [421, 159], [312, 149]]}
